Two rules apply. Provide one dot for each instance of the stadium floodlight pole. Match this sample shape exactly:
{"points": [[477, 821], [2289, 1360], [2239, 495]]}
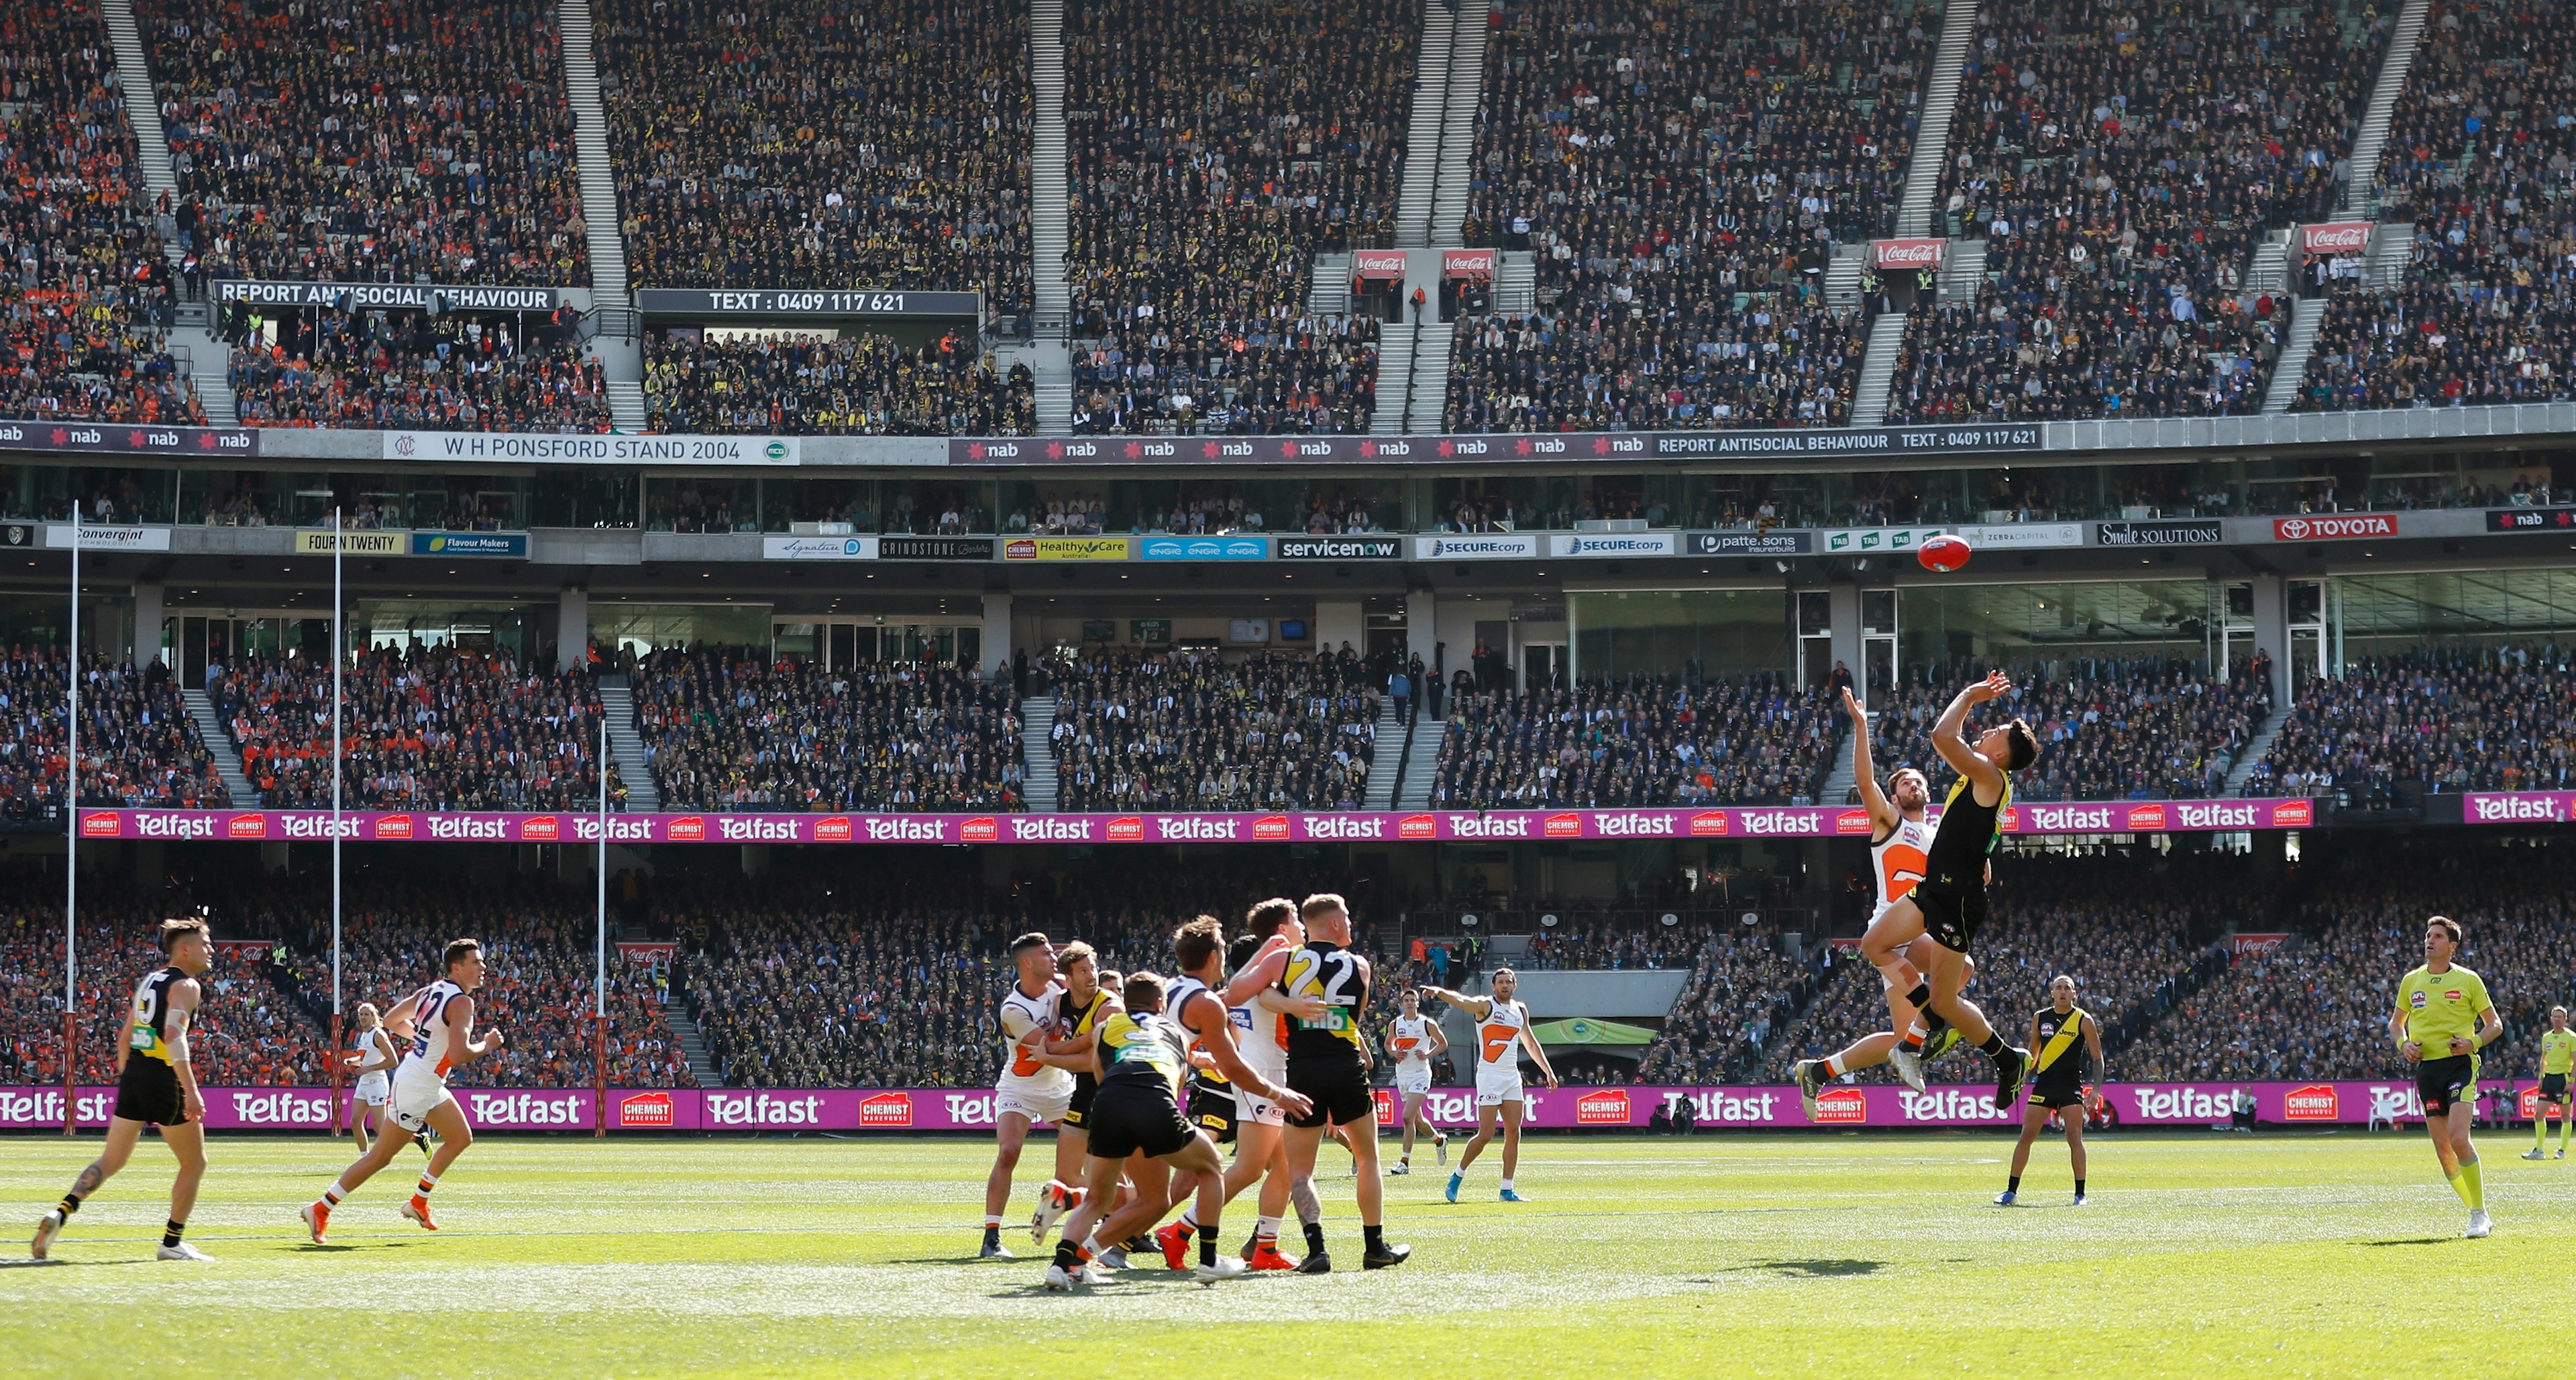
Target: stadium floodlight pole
{"points": [[71, 847], [599, 1032], [339, 654]]}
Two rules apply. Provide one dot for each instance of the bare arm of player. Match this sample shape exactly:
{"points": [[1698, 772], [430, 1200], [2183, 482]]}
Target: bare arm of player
{"points": [[1529, 1041], [1439, 1042], [459, 1015], [1882, 815], [2397, 1031], [1987, 778], [124, 1039], [1259, 983], [2101, 1065], [1216, 1034], [184, 995], [1478, 1007]]}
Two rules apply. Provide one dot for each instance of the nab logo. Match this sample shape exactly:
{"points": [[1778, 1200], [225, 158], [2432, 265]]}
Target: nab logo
{"points": [[1417, 827], [1564, 826], [102, 826], [247, 827], [2147, 817], [542, 829], [394, 827], [1841, 1107], [886, 1109], [980, 829], [836, 829], [1270, 828], [1708, 824], [687, 829], [1127, 829], [1852, 822]]}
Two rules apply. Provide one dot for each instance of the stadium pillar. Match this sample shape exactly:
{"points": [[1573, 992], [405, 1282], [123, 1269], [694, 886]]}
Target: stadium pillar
{"points": [[2272, 630], [147, 625], [1421, 630], [1844, 603], [997, 633], [1340, 622], [572, 629]]}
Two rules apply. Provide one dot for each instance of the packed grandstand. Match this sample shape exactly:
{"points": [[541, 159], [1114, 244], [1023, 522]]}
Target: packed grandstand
{"points": [[759, 428]]}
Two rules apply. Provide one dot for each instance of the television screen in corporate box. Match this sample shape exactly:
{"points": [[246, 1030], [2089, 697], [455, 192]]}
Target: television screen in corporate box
{"points": [[2320, 1102]]}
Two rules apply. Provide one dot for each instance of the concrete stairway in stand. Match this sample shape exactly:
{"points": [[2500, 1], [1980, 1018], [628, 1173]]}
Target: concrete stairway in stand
{"points": [[1389, 760], [1421, 763], [634, 765], [693, 1045], [2290, 371], [1932, 129], [1458, 117], [1050, 219], [142, 106], [1963, 271], [1328, 284], [1516, 283], [1037, 753], [1422, 132], [209, 363], [2370, 134], [1842, 784], [1878, 369], [617, 341], [2256, 748], [1427, 392], [1394, 379], [219, 745]]}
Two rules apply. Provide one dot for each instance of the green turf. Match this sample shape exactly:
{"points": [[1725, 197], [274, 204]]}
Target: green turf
{"points": [[2327, 1255]]}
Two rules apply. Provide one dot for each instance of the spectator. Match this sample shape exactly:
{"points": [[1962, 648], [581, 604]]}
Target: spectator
{"points": [[411, 370], [138, 747], [1637, 742], [820, 385], [2109, 729], [1191, 731], [2390, 730]]}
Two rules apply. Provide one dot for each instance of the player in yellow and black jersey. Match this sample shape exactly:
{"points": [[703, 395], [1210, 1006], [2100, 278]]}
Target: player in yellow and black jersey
{"points": [[1328, 1061], [2557, 1061], [2064, 1080], [2443, 1018]]}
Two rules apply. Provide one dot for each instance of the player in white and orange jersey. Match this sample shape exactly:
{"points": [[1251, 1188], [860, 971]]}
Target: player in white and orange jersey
{"points": [[1502, 1032], [1415, 1040]]}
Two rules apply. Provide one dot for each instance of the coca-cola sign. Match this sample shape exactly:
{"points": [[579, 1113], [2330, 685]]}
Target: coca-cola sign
{"points": [[2335, 237], [1910, 253], [1379, 263], [1466, 263]]}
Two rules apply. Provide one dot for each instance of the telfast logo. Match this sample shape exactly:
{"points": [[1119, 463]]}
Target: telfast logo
{"points": [[318, 826], [1952, 1105], [281, 1109], [970, 1109], [1197, 828], [526, 1108], [1741, 1109], [2186, 1103], [2400, 1103], [1489, 826], [757, 829], [161, 827], [898, 831], [2218, 816], [621, 828], [1631, 824], [1783, 821], [1041, 829], [485, 828], [1341, 827], [2071, 819], [2487, 809], [45, 1108], [763, 1109]]}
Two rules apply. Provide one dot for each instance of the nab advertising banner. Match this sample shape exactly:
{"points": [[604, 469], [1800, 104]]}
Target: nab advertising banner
{"points": [[1298, 826], [2352, 1102]]}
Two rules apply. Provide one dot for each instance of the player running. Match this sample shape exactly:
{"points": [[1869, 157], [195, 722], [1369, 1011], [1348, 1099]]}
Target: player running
{"points": [[2443, 1019], [1029, 1089], [1415, 1040], [2557, 1060], [445, 1042], [156, 1085], [1328, 1064], [1949, 904], [1143, 1058], [1900, 848], [1502, 1031], [372, 1056], [2060, 1083], [1081, 1004]]}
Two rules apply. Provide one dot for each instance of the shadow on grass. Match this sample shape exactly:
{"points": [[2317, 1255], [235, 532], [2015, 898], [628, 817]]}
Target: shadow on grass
{"points": [[2414, 1241], [1813, 1269]]}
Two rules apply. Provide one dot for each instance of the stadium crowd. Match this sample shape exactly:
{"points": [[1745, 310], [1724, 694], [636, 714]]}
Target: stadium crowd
{"points": [[1742, 996], [1213, 152], [1193, 731], [2119, 164], [2394, 728], [138, 747], [370, 140], [434, 729], [410, 369], [1640, 741], [724, 729], [1681, 172], [878, 144], [828, 385], [84, 285], [2109, 729], [2478, 152], [247, 1033]]}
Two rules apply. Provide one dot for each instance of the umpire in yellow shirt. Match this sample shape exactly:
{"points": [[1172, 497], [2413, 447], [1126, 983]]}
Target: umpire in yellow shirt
{"points": [[2443, 1019], [2557, 1060]]}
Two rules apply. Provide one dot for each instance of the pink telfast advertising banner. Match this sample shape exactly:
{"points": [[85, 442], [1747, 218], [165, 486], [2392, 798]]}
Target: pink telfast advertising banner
{"points": [[970, 1109], [1296, 826]]}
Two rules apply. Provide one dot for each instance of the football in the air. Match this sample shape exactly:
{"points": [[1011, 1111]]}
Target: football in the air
{"points": [[1943, 553]]}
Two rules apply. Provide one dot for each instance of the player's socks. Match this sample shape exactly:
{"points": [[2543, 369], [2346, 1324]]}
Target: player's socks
{"points": [[71, 1204], [331, 1196], [1834, 1067], [1920, 999], [1374, 1238], [992, 1221], [1189, 1223], [1994, 1047], [2474, 1188], [428, 1181], [170, 1233], [2013, 1185], [2458, 1182], [2539, 1133], [1315, 1237], [2079, 1187], [1265, 1232], [1207, 1250]]}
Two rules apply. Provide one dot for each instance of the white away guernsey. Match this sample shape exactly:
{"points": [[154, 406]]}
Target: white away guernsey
{"points": [[1497, 1035], [434, 1046], [1021, 1017]]}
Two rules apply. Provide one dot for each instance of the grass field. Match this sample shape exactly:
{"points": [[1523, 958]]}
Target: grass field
{"points": [[2329, 1255]]}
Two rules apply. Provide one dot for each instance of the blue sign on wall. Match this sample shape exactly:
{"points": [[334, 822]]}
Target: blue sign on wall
{"points": [[511, 544]]}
